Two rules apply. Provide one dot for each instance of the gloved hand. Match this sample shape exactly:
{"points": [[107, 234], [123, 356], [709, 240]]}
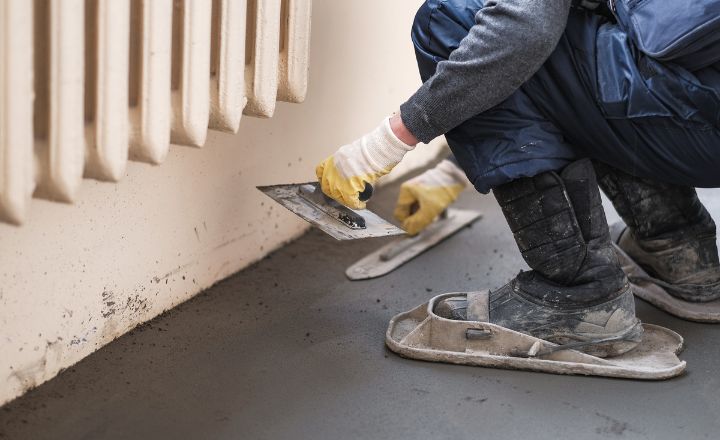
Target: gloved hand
{"points": [[430, 193], [343, 175]]}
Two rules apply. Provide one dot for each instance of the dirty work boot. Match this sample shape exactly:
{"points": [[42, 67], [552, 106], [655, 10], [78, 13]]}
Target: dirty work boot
{"points": [[669, 233], [577, 291]]}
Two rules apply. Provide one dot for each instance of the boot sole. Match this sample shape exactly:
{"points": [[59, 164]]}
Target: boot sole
{"points": [[696, 293], [645, 289]]}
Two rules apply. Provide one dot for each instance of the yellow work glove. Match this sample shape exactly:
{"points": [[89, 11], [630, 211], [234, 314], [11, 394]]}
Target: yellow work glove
{"points": [[426, 196], [343, 175]]}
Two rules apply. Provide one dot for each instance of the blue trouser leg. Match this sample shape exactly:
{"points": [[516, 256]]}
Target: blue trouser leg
{"points": [[510, 141], [595, 97]]}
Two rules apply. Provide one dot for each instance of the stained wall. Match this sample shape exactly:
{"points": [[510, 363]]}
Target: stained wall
{"points": [[75, 277]]}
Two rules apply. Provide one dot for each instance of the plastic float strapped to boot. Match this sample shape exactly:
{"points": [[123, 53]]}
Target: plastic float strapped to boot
{"points": [[423, 335]]}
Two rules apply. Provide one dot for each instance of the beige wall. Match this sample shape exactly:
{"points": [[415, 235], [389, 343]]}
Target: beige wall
{"points": [[76, 277]]}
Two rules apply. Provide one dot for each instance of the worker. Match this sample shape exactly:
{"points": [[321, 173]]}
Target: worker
{"points": [[541, 101]]}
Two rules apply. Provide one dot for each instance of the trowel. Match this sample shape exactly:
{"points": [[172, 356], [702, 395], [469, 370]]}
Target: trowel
{"points": [[401, 250], [308, 202]]}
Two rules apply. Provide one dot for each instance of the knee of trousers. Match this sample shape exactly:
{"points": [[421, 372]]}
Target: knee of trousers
{"points": [[438, 29]]}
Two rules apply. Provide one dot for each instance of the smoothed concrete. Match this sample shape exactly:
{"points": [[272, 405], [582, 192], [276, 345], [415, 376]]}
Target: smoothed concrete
{"points": [[290, 349]]}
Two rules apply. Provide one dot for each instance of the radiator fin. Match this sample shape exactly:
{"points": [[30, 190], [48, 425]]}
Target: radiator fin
{"points": [[59, 97], [227, 81], [107, 31], [17, 181], [295, 50], [262, 57], [149, 99], [191, 71]]}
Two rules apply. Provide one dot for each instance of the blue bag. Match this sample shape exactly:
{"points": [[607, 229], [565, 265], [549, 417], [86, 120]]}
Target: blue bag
{"points": [[685, 32]]}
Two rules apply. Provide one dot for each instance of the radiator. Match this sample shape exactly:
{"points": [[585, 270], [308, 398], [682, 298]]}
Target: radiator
{"points": [[86, 85]]}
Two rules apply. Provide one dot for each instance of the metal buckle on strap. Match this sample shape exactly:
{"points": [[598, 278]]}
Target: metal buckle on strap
{"points": [[478, 334]]}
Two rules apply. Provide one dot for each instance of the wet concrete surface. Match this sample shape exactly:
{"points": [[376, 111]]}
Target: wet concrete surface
{"points": [[290, 349]]}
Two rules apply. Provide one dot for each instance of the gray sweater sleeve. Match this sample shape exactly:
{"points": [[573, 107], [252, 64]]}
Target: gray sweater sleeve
{"points": [[509, 42]]}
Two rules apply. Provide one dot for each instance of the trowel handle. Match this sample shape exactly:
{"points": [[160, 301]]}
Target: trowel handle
{"points": [[367, 193]]}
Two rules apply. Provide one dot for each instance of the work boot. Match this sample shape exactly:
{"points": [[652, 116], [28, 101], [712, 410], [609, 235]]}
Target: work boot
{"points": [[669, 233], [576, 290]]}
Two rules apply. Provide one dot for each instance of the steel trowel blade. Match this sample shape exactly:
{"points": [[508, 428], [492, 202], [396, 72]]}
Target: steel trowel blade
{"points": [[401, 250], [342, 223]]}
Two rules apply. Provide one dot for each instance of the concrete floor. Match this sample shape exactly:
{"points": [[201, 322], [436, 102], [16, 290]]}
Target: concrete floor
{"points": [[290, 349]]}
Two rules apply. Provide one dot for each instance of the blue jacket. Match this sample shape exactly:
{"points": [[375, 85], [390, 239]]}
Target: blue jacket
{"points": [[596, 96]]}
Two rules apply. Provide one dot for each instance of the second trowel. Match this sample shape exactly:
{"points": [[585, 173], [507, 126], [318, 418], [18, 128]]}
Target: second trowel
{"points": [[401, 250], [308, 201]]}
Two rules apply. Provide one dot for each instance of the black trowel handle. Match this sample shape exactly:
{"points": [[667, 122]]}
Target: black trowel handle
{"points": [[367, 193]]}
